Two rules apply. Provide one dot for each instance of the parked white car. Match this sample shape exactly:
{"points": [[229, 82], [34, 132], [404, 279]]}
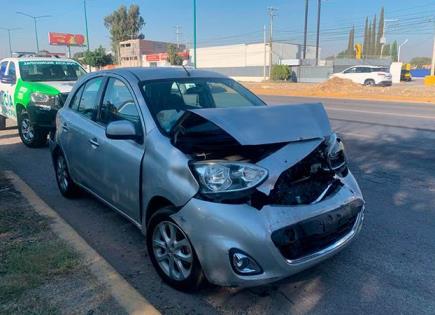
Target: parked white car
{"points": [[367, 75]]}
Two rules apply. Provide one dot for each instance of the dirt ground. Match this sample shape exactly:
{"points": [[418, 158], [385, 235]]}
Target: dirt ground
{"points": [[39, 273], [346, 89]]}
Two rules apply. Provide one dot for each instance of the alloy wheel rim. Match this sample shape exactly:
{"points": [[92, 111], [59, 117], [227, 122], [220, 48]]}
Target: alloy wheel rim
{"points": [[172, 251], [62, 175], [27, 130]]}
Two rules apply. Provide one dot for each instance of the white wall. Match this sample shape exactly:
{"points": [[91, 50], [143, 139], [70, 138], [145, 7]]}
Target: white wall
{"points": [[246, 55]]}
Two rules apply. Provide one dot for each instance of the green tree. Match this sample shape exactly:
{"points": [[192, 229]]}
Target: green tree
{"points": [[373, 46], [380, 32], [394, 56], [173, 58], [366, 38], [419, 62], [369, 41], [124, 24], [350, 52], [280, 72], [387, 50], [97, 58]]}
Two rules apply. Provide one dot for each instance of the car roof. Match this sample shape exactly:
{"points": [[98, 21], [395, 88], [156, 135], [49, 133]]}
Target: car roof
{"points": [[157, 73], [37, 59], [370, 66]]}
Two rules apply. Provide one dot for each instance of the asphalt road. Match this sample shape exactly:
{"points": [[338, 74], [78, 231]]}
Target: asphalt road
{"points": [[390, 268]]}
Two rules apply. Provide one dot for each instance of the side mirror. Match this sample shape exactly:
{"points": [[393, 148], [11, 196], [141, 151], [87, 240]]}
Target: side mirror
{"points": [[122, 130], [8, 79]]}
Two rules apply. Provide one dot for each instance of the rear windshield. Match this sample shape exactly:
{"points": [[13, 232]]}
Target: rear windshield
{"points": [[168, 99], [50, 70]]}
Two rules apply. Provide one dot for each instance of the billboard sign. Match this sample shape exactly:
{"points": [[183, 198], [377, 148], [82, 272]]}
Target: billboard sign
{"points": [[65, 39], [164, 56]]}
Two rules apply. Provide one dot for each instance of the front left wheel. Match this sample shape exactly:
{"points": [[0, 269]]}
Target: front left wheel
{"points": [[30, 135], [172, 253]]}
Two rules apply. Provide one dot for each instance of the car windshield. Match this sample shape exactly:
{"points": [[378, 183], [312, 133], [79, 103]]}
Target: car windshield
{"points": [[168, 99], [50, 70]]}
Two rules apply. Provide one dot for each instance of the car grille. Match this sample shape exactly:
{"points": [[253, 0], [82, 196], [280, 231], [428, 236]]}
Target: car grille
{"points": [[313, 235], [62, 98]]}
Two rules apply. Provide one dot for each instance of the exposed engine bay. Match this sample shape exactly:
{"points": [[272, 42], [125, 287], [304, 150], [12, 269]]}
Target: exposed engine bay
{"points": [[314, 175]]}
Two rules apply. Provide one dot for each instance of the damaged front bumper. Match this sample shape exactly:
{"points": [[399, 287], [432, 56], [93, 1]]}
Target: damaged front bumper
{"points": [[215, 229]]}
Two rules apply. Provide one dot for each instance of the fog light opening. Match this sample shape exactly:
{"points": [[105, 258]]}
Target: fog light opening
{"points": [[243, 264]]}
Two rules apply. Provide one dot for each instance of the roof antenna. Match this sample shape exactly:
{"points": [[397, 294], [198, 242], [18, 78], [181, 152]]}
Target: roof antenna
{"points": [[187, 71]]}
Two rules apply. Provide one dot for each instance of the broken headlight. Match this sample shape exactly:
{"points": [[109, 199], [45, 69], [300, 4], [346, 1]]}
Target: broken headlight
{"points": [[335, 155], [216, 177]]}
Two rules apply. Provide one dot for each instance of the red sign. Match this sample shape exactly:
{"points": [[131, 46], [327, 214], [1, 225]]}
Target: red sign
{"points": [[64, 39], [164, 56]]}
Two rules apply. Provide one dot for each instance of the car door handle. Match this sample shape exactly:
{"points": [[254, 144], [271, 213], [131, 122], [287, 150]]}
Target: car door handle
{"points": [[94, 143]]}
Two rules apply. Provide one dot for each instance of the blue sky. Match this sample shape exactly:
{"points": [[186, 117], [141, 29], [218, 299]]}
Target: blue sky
{"points": [[224, 21]]}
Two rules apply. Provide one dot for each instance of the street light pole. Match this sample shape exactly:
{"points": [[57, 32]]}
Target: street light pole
{"points": [[383, 39], [35, 19], [194, 34], [272, 14], [400, 47], [305, 30], [9, 30], [86, 25], [319, 5]]}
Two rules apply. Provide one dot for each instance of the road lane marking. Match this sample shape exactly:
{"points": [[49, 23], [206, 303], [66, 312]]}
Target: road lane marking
{"points": [[127, 296], [356, 135], [380, 113]]}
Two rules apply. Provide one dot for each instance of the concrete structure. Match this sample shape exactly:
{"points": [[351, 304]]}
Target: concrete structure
{"points": [[131, 51], [249, 62]]}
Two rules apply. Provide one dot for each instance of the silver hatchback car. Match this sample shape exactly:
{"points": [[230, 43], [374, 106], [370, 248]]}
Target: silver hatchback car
{"points": [[225, 188]]}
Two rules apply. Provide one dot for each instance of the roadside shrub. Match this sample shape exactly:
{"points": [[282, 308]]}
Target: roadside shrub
{"points": [[280, 72]]}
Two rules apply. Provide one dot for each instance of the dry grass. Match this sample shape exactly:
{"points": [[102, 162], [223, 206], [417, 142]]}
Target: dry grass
{"points": [[39, 273], [346, 89]]}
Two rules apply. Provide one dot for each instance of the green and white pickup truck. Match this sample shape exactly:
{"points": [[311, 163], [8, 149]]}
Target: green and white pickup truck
{"points": [[32, 89]]}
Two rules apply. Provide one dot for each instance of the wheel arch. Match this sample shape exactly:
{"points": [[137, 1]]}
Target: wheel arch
{"points": [[156, 203]]}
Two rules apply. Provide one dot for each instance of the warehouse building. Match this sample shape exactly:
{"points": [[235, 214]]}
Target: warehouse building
{"points": [[249, 62], [131, 51]]}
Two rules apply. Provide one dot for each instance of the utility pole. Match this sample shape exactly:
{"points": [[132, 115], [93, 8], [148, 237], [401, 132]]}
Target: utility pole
{"points": [[264, 64], [432, 69], [9, 30], [178, 34], [319, 6], [272, 13], [86, 25], [194, 33], [35, 19], [305, 30]]}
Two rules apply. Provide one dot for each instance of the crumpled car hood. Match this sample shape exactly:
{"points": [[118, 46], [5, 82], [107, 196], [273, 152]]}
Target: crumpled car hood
{"points": [[268, 124]]}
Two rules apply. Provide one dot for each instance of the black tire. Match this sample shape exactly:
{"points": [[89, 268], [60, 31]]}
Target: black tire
{"points": [[2, 123], [196, 279], [369, 82], [67, 187], [30, 135]]}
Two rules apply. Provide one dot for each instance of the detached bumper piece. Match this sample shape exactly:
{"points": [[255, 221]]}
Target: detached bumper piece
{"points": [[313, 235]]}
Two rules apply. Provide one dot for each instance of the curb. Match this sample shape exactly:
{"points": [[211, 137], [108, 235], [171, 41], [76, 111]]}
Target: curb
{"points": [[127, 296]]}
